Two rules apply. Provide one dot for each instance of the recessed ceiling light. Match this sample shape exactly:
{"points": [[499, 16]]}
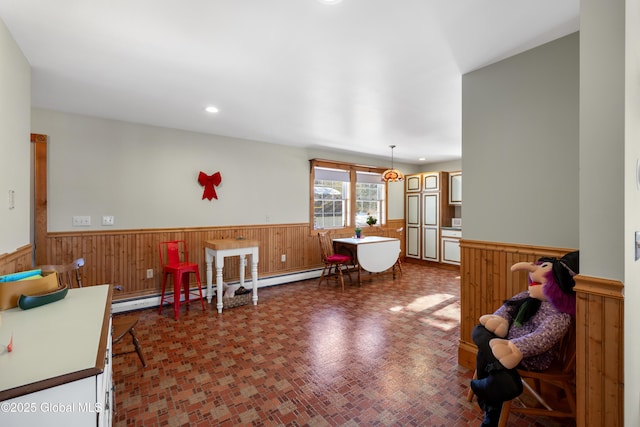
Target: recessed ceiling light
{"points": [[422, 158], [211, 109], [330, 1]]}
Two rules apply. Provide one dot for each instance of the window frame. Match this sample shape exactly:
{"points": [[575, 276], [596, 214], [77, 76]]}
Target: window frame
{"points": [[352, 168]]}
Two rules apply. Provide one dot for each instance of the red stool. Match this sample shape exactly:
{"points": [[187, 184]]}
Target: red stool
{"points": [[174, 257]]}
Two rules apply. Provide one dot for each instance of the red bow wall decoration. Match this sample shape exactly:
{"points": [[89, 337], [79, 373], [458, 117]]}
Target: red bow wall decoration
{"points": [[209, 182]]}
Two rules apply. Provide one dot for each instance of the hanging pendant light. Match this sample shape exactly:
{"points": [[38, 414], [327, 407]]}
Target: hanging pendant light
{"points": [[392, 175]]}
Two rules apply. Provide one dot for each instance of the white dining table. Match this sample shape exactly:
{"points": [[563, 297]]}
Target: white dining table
{"points": [[374, 254]]}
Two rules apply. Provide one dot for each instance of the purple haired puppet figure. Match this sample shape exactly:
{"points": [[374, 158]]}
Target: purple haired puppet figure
{"points": [[524, 332]]}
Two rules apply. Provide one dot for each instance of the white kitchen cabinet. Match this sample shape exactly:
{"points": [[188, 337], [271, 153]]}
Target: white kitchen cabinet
{"points": [[430, 244], [413, 225], [450, 244], [428, 209], [59, 372], [413, 183], [430, 239], [431, 181], [413, 242], [455, 188]]}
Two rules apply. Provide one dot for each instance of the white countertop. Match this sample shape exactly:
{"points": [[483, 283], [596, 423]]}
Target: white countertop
{"points": [[53, 340]]}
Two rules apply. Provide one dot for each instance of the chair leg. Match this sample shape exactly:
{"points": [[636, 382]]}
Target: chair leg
{"points": [[177, 286], [185, 287], [470, 392], [324, 274], [504, 413], [339, 268], [164, 286], [200, 289], [138, 348]]}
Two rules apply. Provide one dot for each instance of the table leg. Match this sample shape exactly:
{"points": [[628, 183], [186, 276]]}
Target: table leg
{"points": [[219, 266], [209, 280], [254, 278], [242, 263]]}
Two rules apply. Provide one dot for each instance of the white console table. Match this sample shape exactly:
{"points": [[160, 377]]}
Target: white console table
{"points": [[219, 249], [59, 372]]}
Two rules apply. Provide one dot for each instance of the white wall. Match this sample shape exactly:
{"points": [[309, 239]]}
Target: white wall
{"points": [[631, 212], [609, 152], [146, 177], [602, 139], [15, 148], [450, 166], [520, 148]]}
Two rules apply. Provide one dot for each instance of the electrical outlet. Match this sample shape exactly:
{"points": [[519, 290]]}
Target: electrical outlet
{"points": [[150, 273], [81, 221], [283, 258], [108, 220]]}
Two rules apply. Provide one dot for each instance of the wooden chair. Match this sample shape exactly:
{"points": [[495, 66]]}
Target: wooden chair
{"points": [[69, 275], [549, 393], [333, 261], [174, 257]]}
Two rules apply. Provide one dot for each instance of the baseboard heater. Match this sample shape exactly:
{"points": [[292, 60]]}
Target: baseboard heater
{"points": [[149, 301]]}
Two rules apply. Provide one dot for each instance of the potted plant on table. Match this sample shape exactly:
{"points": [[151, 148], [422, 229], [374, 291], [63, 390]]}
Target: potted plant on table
{"points": [[371, 220], [358, 231]]}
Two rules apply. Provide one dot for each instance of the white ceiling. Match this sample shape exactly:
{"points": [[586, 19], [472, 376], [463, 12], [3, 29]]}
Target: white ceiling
{"points": [[356, 76]]}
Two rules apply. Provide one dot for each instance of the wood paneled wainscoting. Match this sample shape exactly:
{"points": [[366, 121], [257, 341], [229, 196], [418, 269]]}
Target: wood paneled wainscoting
{"points": [[486, 281], [123, 257], [21, 259], [600, 352]]}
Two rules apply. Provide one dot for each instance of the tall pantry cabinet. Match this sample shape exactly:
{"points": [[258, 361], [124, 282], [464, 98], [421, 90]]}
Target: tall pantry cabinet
{"points": [[427, 209]]}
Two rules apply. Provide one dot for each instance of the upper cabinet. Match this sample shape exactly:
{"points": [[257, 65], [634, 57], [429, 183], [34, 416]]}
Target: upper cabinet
{"points": [[413, 183], [431, 181], [455, 188]]}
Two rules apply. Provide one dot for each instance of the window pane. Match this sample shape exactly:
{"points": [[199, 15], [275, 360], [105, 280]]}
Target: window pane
{"points": [[329, 203], [369, 198]]}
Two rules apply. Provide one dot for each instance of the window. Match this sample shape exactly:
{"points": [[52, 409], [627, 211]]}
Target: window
{"points": [[345, 195], [330, 198], [370, 197]]}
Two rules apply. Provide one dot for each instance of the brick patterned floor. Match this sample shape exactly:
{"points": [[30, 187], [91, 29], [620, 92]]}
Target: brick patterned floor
{"points": [[383, 354]]}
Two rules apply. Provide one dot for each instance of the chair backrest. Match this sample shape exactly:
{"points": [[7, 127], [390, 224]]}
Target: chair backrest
{"points": [[567, 350], [173, 252], [326, 244], [68, 274]]}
